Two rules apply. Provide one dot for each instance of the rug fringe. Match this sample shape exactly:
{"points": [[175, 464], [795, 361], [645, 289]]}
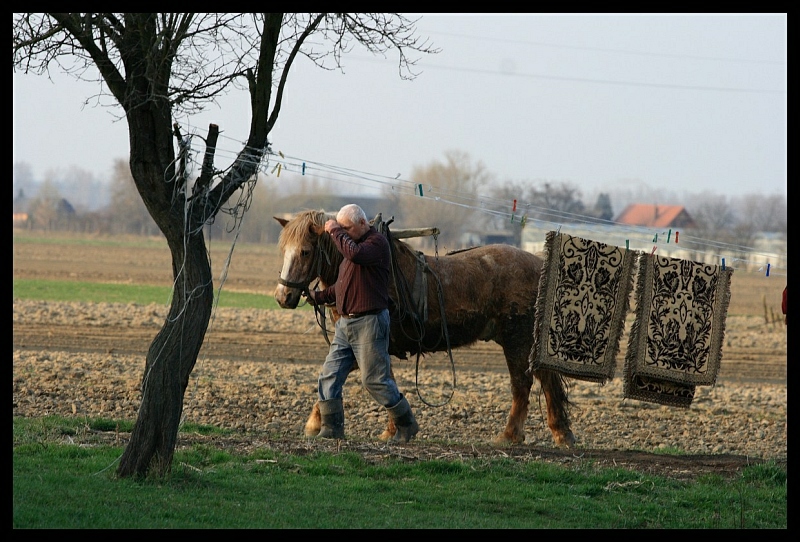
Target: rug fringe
{"points": [[541, 303]]}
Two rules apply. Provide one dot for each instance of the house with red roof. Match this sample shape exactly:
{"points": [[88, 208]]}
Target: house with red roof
{"points": [[655, 216]]}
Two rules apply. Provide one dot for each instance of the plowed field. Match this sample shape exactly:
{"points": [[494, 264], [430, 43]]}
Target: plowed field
{"points": [[257, 375]]}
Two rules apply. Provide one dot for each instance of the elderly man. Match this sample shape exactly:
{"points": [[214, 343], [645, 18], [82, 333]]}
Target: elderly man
{"points": [[361, 294]]}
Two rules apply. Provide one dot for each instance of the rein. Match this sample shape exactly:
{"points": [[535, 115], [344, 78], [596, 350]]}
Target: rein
{"points": [[449, 350]]}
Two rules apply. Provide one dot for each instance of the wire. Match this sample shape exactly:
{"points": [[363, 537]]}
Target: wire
{"points": [[537, 217]]}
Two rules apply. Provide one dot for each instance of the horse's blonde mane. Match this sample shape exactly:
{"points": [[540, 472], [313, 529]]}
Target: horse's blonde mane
{"points": [[295, 232]]}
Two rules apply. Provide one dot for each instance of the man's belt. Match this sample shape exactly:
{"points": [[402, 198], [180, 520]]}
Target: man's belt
{"points": [[360, 314]]}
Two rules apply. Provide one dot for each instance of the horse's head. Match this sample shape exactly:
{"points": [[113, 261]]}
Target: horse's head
{"points": [[306, 256]]}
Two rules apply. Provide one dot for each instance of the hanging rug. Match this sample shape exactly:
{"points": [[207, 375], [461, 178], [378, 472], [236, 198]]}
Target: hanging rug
{"points": [[581, 307], [676, 339]]}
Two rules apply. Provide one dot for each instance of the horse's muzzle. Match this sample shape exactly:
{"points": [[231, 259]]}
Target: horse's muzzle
{"points": [[287, 294], [287, 298]]}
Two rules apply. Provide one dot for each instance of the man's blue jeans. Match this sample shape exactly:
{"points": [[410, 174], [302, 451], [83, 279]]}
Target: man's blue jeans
{"points": [[364, 339]]}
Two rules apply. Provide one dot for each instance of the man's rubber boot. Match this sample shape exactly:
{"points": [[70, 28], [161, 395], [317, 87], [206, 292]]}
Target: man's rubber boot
{"points": [[332, 413], [404, 420]]}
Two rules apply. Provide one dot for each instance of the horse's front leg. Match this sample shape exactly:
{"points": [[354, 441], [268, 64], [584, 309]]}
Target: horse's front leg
{"points": [[314, 422], [389, 432], [391, 429]]}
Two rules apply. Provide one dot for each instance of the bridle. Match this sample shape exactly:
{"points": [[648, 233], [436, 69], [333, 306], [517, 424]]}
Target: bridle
{"points": [[302, 286]]}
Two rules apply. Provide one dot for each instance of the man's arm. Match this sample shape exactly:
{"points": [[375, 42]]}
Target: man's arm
{"points": [[373, 250]]}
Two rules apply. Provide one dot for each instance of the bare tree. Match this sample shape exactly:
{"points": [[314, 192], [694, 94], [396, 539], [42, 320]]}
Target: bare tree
{"points": [[45, 208], [260, 226], [714, 216], [155, 65], [128, 213], [506, 193], [83, 188], [558, 202], [543, 200], [449, 194], [715, 219], [765, 213]]}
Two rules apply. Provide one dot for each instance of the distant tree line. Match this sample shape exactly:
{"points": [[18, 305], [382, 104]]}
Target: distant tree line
{"points": [[456, 179]]}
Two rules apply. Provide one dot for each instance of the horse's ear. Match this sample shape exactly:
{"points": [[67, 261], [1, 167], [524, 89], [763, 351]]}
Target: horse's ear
{"points": [[282, 221]]}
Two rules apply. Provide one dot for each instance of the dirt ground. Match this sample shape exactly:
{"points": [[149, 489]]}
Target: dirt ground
{"points": [[257, 375]]}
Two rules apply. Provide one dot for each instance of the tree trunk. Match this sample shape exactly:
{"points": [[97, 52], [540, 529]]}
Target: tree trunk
{"points": [[170, 361], [174, 351]]}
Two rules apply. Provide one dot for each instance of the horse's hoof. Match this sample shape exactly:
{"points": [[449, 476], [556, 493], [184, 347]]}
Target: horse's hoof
{"points": [[505, 440]]}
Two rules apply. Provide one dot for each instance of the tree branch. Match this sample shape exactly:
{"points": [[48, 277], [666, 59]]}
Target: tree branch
{"points": [[285, 72], [207, 170]]}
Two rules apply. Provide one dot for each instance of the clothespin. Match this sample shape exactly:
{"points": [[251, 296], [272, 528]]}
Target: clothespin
{"points": [[723, 264], [654, 249], [512, 217], [627, 244], [676, 236], [522, 222], [304, 168], [282, 156], [420, 189], [275, 168], [514, 208], [768, 269], [279, 170], [655, 239], [669, 235]]}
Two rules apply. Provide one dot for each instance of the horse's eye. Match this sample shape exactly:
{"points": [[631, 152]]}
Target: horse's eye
{"points": [[304, 253]]}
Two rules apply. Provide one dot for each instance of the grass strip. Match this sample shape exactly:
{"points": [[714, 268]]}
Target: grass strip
{"points": [[63, 477], [143, 294]]}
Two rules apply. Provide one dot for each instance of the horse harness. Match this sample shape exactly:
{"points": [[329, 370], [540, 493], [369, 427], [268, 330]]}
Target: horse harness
{"points": [[417, 301]]}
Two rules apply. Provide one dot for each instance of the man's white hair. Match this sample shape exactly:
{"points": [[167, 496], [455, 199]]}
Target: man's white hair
{"points": [[352, 212]]}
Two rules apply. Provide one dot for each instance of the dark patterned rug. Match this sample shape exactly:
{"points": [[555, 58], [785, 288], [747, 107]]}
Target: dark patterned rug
{"points": [[676, 339], [581, 308]]}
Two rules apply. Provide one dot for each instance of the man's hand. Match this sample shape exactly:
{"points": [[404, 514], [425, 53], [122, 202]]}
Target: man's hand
{"points": [[309, 297], [330, 224]]}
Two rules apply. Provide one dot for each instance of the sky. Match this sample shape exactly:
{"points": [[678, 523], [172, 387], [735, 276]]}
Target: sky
{"points": [[680, 103]]}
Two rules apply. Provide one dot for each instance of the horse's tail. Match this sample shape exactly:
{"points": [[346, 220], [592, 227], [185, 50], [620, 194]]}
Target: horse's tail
{"points": [[558, 383]]}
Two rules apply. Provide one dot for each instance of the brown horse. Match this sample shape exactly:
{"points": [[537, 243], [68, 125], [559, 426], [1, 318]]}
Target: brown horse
{"points": [[488, 293]]}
